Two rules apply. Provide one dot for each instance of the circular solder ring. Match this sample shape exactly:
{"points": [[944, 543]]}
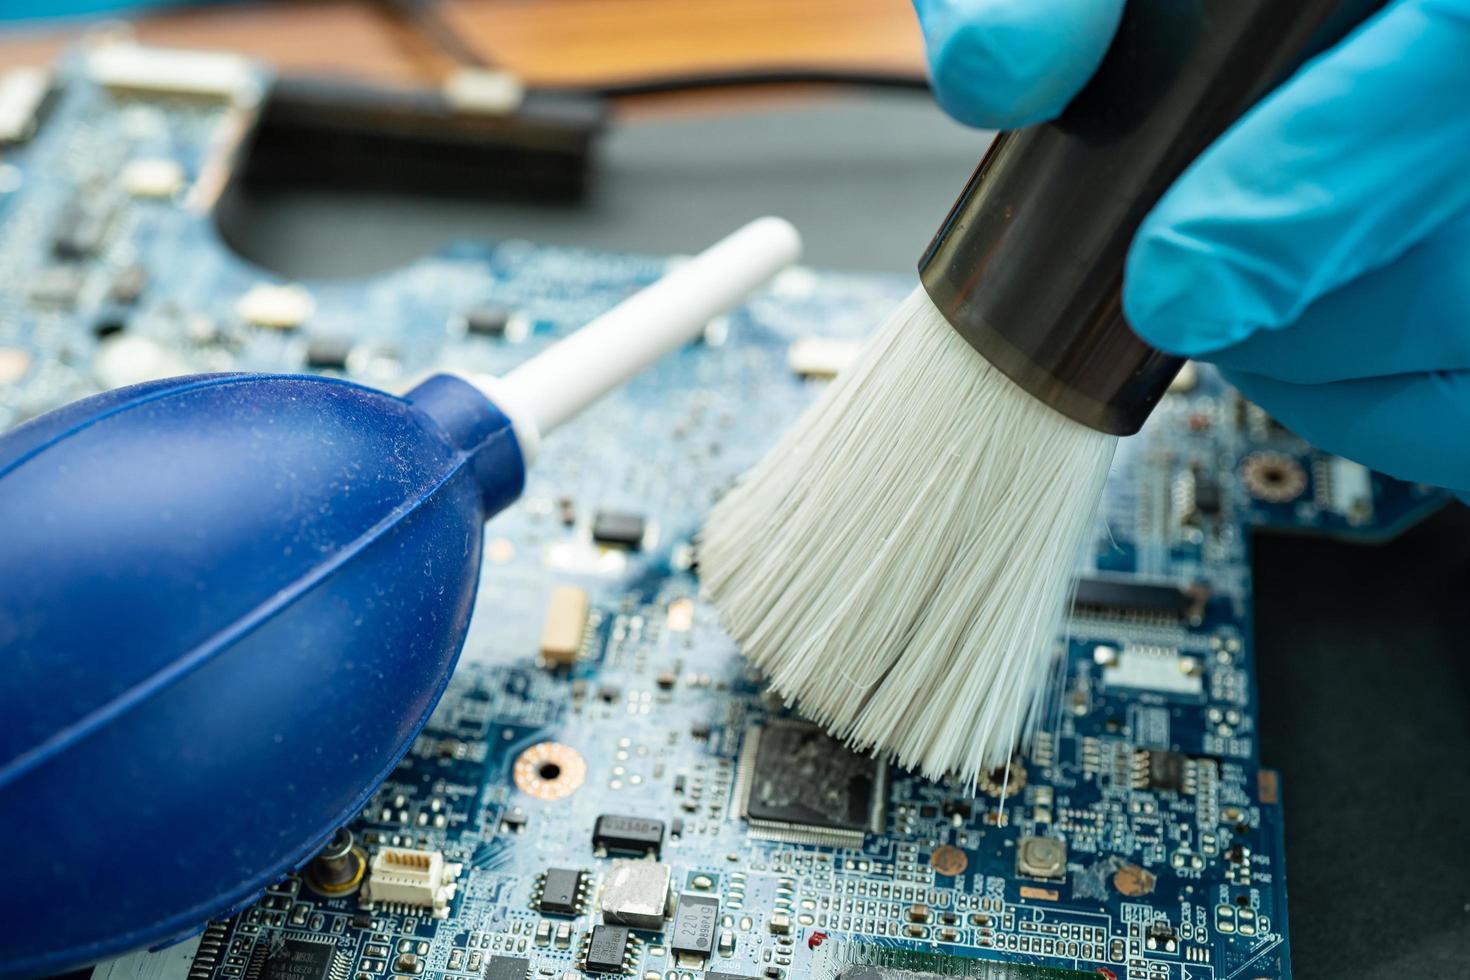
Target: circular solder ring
{"points": [[550, 771]]}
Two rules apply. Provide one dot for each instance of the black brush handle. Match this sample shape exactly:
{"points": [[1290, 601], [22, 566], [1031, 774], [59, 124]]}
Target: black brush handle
{"points": [[1028, 266]]}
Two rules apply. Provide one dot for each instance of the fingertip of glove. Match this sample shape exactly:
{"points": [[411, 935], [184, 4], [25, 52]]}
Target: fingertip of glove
{"points": [[998, 64], [980, 83], [1180, 297]]}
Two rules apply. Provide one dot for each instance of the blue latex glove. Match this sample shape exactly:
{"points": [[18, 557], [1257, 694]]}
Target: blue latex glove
{"points": [[1319, 252]]}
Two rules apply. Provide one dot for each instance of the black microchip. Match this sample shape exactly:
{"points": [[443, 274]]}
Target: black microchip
{"points": [[80, 230], [1166, 770], [1144, 597], [618, 528], [803, 776], [488, 321], [328, 352], [108, 324], [606, 949], [292, 959], [694, 925], [559, 891], [507, 968], [628, 835], [1206, 496]]}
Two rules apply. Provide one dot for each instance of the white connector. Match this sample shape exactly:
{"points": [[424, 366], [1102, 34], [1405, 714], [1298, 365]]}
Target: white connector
{"points": [[422, 879]]}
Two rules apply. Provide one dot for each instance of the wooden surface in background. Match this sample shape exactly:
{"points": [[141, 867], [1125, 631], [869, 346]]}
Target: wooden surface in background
{"points": [[544, 40]]}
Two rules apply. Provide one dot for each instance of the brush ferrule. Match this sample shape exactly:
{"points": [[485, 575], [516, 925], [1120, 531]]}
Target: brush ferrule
{"points": [[1028, 266]]}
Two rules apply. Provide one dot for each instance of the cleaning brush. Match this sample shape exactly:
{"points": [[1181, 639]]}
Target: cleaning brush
{"points": [[899, 566]]}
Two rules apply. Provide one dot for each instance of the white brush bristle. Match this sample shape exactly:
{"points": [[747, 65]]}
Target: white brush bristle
{"points": [[898, 566]]}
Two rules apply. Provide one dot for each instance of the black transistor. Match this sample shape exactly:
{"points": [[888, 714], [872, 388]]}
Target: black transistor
{"points": [[487, 321], [618, 528], [628, 835]]}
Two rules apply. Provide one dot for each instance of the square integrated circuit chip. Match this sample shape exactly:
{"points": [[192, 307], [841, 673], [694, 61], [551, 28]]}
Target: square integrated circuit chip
{"points": [[802, 785], [507, 968], [292, 959]]}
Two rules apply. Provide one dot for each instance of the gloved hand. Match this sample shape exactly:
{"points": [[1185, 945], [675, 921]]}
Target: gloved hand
{"points": [[1319, 252]]}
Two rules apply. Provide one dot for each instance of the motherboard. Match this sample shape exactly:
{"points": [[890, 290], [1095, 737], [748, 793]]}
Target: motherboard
{"points": [[604, 789]]}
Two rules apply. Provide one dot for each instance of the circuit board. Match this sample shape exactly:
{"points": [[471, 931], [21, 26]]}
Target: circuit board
{"points": [[604, 790]]}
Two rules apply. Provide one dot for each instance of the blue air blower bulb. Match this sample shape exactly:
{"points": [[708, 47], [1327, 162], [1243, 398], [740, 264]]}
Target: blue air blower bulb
{"points": [[229, 602]]}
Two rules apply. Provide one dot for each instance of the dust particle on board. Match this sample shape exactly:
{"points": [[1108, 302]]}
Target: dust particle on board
{"points": [[507, 968], [628, 835], [607, 949]]}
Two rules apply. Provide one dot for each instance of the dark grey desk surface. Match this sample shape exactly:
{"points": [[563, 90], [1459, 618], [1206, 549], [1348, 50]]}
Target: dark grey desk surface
{"points": [[1365, 651]]}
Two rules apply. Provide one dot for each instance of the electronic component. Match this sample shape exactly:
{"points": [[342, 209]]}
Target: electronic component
{"points": [[1120, 596], [328, 352], [129, 285], [280, 307], [153, 177], [14, 363], [607, 950], [560, 892], [81, 228], [821, 357], [127, 359], [623, 530], [628, 835], [695, 919], [1349, 488], [1273, 477], [130, 67], [507, 968], [636, 893], [1161, 770], [1150, 668], [486, 321], [1041, 857], [1207, 497], [799, 784], [56, 286], [422, 879], [283, 958], [23, 96], [1003, 781], [566, 621], [338, 868], [550, 771], [1186, 380]]}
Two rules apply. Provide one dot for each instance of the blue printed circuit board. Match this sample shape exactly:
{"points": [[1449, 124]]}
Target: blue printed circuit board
{"points": [[1137, 835]]}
